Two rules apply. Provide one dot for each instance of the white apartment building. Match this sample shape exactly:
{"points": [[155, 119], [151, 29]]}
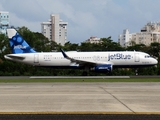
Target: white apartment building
{"points": [[55, 29], [124, 38], [93, 40], [4, 21], [149, 33]]}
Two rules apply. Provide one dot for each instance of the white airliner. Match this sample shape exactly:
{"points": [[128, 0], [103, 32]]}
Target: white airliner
{"points": [[96, 61]]}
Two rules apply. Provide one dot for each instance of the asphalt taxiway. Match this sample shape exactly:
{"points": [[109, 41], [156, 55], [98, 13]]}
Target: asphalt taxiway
{"points": [[80, 98]]}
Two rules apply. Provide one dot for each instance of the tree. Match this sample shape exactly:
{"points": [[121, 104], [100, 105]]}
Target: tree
{"points": [[86, 47], [70, 47], [136, 47], [4, 47], [154, 49], [108, 45]]}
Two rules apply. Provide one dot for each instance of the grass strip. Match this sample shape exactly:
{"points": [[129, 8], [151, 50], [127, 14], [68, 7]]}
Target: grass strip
{"points": [[80, 80]]}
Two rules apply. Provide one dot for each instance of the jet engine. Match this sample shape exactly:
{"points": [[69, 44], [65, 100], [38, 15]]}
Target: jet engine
{"points": [[103, 67]]}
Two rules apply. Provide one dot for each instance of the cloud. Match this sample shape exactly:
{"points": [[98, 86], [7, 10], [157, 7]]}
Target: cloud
{"points": [[19, 22], [101, 18]]}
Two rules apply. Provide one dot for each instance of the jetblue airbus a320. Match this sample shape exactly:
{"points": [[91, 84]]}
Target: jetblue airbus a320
{"points": [[96, 61]]}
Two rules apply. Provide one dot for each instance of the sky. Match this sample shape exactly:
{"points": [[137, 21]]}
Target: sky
{"points": [[86, 18]]}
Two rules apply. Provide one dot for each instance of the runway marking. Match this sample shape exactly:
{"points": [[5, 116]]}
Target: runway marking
{"points": [[50, 77], [84, 113], [117, 99]]}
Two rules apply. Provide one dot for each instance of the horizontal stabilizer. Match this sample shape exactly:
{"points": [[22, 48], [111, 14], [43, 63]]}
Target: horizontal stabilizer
{"points": [[14, 57]]}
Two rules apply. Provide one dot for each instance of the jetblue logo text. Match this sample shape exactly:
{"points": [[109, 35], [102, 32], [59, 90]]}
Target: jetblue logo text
{"points": [[118, 56], [20, 47]]}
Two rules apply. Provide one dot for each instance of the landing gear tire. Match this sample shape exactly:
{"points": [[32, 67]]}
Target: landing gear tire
{"points": [[136, 71]]}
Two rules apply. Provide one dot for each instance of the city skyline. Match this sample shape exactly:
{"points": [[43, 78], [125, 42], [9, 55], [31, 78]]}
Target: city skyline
{"points": [[88, 18]]}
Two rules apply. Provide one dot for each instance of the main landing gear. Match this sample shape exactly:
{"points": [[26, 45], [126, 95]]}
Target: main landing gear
{"points": [[136, 71]]}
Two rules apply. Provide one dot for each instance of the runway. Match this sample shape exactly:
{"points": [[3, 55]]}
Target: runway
{"points": [[80, 98]]}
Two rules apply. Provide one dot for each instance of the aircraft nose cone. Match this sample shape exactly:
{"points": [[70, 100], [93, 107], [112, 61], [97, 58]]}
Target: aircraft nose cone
{"points": [[155, 61]]}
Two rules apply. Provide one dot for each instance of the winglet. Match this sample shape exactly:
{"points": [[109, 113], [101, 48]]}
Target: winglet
{"points": [[64, 54]]}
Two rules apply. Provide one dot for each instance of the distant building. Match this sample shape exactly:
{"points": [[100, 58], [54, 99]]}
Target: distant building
{"points": [[55, 29], [4, 21], [149, 33], [124, 38], [93, 40]]}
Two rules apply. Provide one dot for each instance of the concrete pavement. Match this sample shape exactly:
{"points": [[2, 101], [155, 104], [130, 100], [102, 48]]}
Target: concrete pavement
{"points": [[131, 98]]}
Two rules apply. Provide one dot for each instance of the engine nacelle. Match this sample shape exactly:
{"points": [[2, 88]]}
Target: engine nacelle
{"points": [[103, 67]]}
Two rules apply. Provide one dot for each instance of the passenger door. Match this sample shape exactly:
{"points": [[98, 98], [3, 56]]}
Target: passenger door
{"points": [[136, 55], [36, 58]]}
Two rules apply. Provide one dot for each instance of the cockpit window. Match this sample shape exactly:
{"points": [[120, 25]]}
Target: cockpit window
{"points": [[147, 56]]}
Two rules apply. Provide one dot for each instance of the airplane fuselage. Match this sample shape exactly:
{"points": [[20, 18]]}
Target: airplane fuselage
{"points": [[96, 61], [56, 59]]}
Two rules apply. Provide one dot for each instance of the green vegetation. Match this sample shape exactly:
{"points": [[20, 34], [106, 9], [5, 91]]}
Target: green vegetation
{"points": [[41, 43], [80, 80]]}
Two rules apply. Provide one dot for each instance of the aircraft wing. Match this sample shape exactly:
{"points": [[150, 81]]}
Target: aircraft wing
{"points": [[84, 62]]}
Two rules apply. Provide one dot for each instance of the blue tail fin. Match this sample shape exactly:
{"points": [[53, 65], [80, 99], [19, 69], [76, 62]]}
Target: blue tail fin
{"points": [[17, 43]]}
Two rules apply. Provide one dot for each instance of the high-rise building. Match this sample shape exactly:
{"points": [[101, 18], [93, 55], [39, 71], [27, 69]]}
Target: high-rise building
{"points": [[4, 21], [149, 33], [125, 38], [55, 29]]}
